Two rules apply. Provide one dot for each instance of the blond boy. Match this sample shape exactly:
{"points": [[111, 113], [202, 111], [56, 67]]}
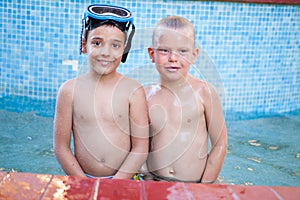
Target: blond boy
{"points": [[185, 112]]}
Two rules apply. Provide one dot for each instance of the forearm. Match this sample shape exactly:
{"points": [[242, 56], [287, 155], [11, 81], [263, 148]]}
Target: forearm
{"points": [[214, 164], [135, 159], [68, 162]]}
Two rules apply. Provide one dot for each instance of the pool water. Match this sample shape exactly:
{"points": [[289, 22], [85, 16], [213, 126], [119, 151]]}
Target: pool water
{"points": [[26, 143], [262, 151]]}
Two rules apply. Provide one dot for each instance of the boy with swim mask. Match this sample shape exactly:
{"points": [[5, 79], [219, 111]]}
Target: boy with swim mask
{"points": [[105, 111]]}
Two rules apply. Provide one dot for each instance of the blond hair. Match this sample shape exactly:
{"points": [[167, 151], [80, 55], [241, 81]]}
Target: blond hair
{"points": [[175, 23]]}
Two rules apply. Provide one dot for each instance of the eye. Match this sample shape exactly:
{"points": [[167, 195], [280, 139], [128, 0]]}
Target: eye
{"points": [[97, 43], [163, 51], [116, 45], [183, 51]]}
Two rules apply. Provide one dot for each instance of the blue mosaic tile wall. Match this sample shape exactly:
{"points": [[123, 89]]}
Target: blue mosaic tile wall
{"points": [[251, 52]]}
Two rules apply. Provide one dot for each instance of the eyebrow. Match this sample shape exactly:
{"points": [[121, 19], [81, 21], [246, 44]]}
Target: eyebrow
{"points": [[117, 40], [100, 38]]}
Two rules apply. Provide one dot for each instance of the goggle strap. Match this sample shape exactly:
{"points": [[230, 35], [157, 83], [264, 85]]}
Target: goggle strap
{"points": [[81, 34], [128, 45]]}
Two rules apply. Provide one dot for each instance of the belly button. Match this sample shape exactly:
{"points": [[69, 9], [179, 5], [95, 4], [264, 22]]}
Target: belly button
{"points": [[171, 171], [102, 160]]}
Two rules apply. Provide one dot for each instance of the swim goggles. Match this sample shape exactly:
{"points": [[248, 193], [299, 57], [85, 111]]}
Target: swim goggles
{"points": [[100, 14]]}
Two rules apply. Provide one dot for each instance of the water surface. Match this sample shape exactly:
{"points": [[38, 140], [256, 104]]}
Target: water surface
{"points": [[263, 151]]}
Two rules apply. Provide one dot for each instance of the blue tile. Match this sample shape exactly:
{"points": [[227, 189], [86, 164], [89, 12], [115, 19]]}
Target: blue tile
{"points": [[247, 44]]}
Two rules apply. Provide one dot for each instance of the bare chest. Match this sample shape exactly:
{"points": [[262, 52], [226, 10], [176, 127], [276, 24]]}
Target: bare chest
{"points": [[100, 105], [174, 112]]}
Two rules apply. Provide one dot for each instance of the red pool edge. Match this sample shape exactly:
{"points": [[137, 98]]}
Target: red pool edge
{"points": [[14, 185]]}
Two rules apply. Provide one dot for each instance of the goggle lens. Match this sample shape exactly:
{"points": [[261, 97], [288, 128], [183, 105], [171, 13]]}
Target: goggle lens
{"points": [[108, 10]]}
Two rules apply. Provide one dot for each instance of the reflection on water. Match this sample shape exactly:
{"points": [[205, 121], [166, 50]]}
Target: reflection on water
{"points": [[263, 151]]}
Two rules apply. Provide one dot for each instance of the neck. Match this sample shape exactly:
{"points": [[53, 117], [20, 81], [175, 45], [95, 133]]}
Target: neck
{"points": [[103, 77], [177, 84]]}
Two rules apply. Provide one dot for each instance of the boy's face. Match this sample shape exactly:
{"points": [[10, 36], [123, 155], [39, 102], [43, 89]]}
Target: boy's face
{"points": [[105, 46], [173, 51]]}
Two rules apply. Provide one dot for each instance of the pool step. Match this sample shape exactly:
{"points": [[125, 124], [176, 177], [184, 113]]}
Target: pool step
{"points": [[16, 186]]}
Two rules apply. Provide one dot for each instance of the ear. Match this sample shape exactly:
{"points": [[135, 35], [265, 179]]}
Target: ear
{"points": [[83, 46], [151, 54], [195, 55]]}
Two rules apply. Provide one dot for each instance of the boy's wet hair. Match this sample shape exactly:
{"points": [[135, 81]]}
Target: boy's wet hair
{"points": [[173, 22], [95, 23]]}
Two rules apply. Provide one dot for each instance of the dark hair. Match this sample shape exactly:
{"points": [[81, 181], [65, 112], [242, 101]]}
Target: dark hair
{"points": [[95, 23]]}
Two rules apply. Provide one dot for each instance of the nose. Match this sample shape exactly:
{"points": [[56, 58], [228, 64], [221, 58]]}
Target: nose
{"points": [[173, 56], [105, 50]]}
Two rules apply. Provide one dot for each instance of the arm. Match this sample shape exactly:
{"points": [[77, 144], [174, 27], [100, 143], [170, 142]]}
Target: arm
{"points": [[63, 129], [139, 129], [218, 135]]}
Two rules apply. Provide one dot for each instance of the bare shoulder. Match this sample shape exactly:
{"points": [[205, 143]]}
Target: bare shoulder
{"points": [[130, 84], [66, 90], [152, 90], [67, 86], [204, 88]]}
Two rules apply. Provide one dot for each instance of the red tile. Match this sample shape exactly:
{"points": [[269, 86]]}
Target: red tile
{"points": [[166, 190], [252, 192], [209, 191], [23, 186], [2, 175], [291, 193], [69, 187], [45, 187], [156, 190], [119, 189]]}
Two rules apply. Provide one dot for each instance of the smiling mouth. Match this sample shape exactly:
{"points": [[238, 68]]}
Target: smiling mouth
{"points": [[104, 62], [172, 68]]}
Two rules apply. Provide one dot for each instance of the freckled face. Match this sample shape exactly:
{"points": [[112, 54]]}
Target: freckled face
{"points": [[173, 51], [105, 46]]}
